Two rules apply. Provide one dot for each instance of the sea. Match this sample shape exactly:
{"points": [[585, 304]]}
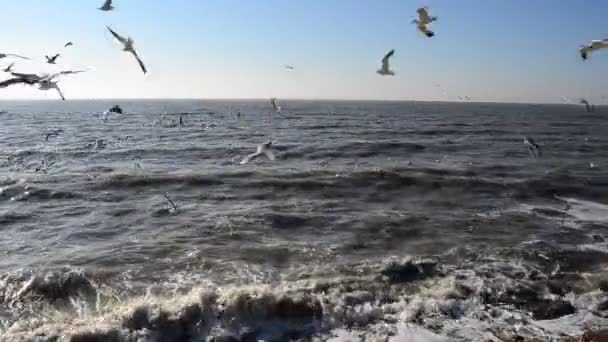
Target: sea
{"points": [[378, 221]]}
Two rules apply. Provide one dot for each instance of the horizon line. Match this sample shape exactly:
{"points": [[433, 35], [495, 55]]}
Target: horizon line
{"points": [[286, 99]]}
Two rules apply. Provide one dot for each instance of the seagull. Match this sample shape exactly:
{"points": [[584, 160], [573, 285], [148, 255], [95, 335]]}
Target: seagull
{"points": [[9, 68], [115, 109], [585, 50], [273, 102], [264, 148], [128, 47], [68, 44], [386, 69], [52, 60], [424, 21], [44, 81], [4, 55], [107, 6], [53, 133], [288, 67], [533, 147]]}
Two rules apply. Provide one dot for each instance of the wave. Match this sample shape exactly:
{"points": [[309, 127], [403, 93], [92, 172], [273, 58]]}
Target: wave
{"points": [[432, 296]]}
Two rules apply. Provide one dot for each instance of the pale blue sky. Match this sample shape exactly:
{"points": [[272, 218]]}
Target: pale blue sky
{"points": [[498, 50]]}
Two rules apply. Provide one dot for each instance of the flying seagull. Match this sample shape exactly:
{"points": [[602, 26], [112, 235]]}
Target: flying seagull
{"points": [[264, 148], [4, 55], [68, 44], [533, 147], [275, 106], [424, 21], [9, 68], [585, 50], [128, 47], [107, 6], [52, 60], [386, 69], [288, 67], [44, 81]]}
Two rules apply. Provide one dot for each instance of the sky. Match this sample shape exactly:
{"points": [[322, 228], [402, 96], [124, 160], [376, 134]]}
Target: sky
{"points": [[498, 50]]}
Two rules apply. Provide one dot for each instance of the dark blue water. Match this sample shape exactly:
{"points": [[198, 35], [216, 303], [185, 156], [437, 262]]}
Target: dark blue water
{"points": [[403, 219]]}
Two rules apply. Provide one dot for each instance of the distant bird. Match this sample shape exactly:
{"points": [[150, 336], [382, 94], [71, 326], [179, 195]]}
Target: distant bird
{"points": [[9, 68], [288, 67], [424, 21], [53, 133], [116, 109], [264, 149], [107, 6], [4, 55], [386, 69], [592, 165], [128, 47], [275, 106], [589, 107], [533, 148], [68, 44], [52, 60], [585, 50]]}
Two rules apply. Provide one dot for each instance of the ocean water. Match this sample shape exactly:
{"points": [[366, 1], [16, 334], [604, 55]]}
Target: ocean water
{"points": [[379, 221]]}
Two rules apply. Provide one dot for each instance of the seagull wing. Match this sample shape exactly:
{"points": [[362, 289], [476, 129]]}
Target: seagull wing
{"points": [[12, 81], [117, 36], [14, 55], [269, 154], [141, 63], [423, 15], [385, 60], [250, 158]]}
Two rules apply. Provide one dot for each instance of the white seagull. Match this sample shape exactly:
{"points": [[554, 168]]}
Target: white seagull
{"points": [[107, 6], [424, 21], [288, 67], [44, 81], [4, 55], [128, 47], [264, 148], [386, 69], [275, 106], [585, 50]]}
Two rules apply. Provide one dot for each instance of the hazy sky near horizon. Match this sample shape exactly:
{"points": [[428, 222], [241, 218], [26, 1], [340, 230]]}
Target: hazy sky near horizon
{"points": [[502, 50]]}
